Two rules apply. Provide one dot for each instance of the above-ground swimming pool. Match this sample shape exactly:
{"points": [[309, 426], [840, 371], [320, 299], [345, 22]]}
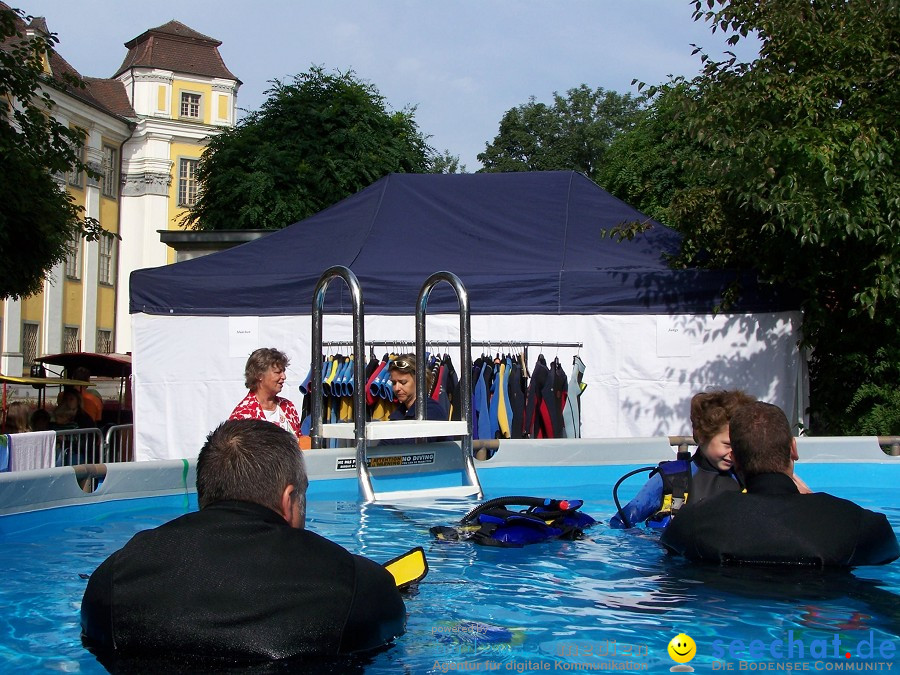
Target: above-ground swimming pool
{"points": [[611, 601]]}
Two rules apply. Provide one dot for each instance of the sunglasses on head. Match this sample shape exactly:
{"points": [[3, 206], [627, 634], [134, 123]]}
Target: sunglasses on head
{"points": [[403, 364]]}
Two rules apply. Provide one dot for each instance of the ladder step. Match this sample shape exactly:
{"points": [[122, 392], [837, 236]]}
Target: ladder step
{"points": [[397, 429], [429, 493]]}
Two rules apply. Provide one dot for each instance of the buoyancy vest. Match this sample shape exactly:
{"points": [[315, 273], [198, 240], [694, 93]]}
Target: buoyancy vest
{"points": [[492, 524], [682, 481]]}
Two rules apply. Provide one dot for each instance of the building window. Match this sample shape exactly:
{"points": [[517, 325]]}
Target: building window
{"points": [[70, 339], [187, 182], [73, 257], [30, 332], [104, 341], [190, 105], [76, 178], [105, 273], [110, 171]]}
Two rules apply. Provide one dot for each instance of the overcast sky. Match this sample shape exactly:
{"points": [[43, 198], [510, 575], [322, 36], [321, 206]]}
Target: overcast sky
{"points": [[462, 63]]}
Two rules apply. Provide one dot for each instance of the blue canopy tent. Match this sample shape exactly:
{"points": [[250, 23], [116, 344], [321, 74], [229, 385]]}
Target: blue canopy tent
{"points": [[524, 245]]}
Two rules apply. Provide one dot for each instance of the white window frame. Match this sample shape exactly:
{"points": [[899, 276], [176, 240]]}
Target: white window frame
{"points": [[73, 257], [104, 341], [188, 187], [31, 338], [71, 342], [190, 105], [106, 271], [76, 178], [110, 172]]}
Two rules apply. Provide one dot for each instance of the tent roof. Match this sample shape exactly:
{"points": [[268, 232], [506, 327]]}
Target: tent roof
{"points": [[522, 243]]}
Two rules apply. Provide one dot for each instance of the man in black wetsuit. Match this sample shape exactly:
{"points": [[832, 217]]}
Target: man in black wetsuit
{"points": [[773, 523], [241, 578]]}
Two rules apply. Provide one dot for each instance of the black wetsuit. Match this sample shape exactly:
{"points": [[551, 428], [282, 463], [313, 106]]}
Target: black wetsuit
{"points": [[515, 391], [774, 524], [235, 580], [537, 414]]}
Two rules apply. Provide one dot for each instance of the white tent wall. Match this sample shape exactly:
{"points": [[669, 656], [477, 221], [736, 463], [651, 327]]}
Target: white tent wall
{"points": [[641, 370]]}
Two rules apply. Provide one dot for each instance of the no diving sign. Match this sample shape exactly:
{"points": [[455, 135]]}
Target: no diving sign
{"points": [[419, 458]]}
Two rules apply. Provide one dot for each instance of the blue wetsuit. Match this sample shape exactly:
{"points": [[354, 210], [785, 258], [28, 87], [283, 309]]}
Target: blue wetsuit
{"points": [[706, 481]]}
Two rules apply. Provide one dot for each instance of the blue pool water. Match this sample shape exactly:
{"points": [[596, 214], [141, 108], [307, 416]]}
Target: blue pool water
{"points": [[613, 600]]}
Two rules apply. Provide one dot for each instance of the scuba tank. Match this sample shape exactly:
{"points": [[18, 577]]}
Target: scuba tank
{"points": [[493, 524], [676, 476]]}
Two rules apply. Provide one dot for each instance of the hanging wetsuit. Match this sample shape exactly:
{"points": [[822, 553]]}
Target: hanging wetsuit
{"points": [[496, 383], [516, 388], [450, 389], [481, 424], [705, 481], [555, 394], [538, 423], [502, 399], [572, 408]]}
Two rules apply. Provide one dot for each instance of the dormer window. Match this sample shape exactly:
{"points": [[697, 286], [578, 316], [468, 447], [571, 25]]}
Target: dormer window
{"points": [[190, 105]]}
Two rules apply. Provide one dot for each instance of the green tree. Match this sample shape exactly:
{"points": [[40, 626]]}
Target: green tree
{"points": [[38, 218], [644, 165], [790, 168], [445, 162], [313, 142], [572, 133]]}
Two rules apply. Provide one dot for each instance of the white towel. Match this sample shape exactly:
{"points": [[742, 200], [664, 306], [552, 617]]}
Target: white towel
{"points": [[31, 450]]}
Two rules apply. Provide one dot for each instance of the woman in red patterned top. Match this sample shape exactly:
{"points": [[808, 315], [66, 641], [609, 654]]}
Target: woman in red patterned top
{"points": [[264, 377]]}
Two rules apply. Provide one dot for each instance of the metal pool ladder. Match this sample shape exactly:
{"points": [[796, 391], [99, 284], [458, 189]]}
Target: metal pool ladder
{"points": [[362, 432]]}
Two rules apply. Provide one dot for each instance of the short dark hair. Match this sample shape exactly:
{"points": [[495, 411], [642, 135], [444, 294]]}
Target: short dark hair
{"points": [[250, 461], [712, 410], [761, 439], [259, 362]]}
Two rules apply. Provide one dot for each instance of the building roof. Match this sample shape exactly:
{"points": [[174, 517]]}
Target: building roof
{"points": [[109, 96], [176, 47]]}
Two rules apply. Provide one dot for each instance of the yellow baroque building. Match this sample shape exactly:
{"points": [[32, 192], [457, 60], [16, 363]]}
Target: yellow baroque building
{"points": [[146, 128]]}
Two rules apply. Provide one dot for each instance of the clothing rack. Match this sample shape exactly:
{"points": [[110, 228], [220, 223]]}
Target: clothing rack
{"points": [[451, 343], [511, 344]]}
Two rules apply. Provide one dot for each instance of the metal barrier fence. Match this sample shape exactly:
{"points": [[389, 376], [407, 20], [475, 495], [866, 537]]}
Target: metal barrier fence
{"points": [[119, 443], [90, 446], [78, 446]]}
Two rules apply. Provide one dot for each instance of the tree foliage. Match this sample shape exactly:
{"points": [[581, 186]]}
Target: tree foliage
{"points": [[445, 162], [571, 133], [38, 218], [315, 141], [644, 166], [788, 166]]}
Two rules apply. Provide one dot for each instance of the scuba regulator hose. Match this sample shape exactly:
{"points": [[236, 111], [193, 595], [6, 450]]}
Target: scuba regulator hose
{"points": [[628, 524]]}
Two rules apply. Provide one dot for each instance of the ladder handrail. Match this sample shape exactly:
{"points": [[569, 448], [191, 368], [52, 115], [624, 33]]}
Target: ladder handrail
{"points": [[359, 391], [366, 488], [465, 358]]}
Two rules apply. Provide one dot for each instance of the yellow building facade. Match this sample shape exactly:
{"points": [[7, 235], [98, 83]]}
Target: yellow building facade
{"points": [[145, 131]]}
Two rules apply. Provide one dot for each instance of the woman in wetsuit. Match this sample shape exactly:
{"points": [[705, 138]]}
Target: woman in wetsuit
{"points": [[403, 380]]}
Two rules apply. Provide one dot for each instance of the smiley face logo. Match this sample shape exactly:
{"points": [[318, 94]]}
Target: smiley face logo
{"points": [[682, 649]]}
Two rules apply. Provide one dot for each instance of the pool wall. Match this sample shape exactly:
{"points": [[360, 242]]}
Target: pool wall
{"points": [[332, 470]]}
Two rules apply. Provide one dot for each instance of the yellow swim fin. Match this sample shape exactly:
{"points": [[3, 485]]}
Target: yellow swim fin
{"points": [[408, 568]]}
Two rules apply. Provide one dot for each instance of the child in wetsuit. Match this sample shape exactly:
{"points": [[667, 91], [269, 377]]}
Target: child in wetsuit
{"points": [[711, 464]]}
